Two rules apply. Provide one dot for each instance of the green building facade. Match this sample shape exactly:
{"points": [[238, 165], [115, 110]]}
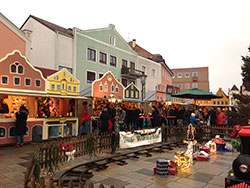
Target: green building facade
{"points": [[100, 50]]}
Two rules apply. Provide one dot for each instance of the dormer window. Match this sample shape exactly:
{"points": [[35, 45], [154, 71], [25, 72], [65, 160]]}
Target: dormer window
{"points": [[112, 40]]}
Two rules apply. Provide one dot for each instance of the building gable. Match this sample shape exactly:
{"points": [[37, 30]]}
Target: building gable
{"points": [[18, 74], [131, 92], [104, 35], [107, 86], [63, 83]]}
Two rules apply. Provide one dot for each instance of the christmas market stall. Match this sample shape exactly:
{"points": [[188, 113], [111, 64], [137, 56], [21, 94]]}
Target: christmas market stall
{"points": [[49, 101]]}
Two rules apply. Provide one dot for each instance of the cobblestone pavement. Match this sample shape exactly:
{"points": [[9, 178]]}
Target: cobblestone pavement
{"points": [[137, 173]]}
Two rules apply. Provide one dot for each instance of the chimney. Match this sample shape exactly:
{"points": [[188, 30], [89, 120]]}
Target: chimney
{"points": [[111, 26], [133, 43]]}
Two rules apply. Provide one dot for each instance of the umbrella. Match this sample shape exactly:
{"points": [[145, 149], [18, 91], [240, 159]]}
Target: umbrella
{"points": [[196, 94]]}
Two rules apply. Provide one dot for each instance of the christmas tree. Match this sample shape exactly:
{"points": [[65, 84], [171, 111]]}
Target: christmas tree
{"points": [[242, 116]]}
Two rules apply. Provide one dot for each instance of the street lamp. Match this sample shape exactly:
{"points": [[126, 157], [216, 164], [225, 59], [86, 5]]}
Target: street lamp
{"points": [[143, 83]]}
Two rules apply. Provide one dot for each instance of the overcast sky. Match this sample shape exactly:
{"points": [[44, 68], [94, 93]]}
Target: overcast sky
{"points": [[187, 33]]}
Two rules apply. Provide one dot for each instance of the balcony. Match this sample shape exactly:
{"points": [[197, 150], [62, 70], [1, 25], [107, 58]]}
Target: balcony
{"points": [[131, 73]]}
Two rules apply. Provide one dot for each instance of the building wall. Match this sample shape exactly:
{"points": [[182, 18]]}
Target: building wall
{"points": [[202, 78], [11, 38], [84, 40], [49, 49], [232, 101], [221, 101], [166, 77], [151, 81]]}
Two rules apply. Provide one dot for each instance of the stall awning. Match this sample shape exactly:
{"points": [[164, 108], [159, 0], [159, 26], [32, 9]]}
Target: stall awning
{"points": [[132, 100], [39, 95]]}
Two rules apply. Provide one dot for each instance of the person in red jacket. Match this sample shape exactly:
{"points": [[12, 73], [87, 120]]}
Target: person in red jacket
{"points": [[220, 117], [86, 115]]}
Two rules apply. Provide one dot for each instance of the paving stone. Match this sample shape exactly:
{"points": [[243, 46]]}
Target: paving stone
{"points": [[155, 186], [123, 178], [182, 174], [218, 180], [156, 180], [98, 178], [2, 177], [192, 183], [135, 175], [139, 183], [133, 186], [201, 177], [112, 181], [211, 171], [146, 172], [226, 164], [98, 184], [107, 174], [213, 186], [176, 185]]}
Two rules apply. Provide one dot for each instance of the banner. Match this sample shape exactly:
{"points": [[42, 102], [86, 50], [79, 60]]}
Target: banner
{"points": [[139, 138]]}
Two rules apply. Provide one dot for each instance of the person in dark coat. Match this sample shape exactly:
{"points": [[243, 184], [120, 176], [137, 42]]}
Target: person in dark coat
{"points": [[136, 119], [212, 116], [3, 107], [155, 117], [21, 123], [105, 117], [187, 115]]}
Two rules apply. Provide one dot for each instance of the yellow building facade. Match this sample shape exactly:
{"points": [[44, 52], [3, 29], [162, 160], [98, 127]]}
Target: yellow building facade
{"points": [[63, 83]]}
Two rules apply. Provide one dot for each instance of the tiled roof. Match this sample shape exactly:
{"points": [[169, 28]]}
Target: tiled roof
{"points": [[144, 53], [52, 26], [235, 88], [46, 72]]}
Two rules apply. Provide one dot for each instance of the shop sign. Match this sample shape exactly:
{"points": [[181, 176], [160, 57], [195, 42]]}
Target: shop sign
{"points": [[140, 138]]}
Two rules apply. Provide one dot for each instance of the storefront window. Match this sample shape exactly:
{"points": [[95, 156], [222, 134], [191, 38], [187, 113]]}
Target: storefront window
{"points": [[74, 89]]}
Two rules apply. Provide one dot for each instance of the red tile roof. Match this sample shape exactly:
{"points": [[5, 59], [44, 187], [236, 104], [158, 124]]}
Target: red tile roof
{"points": [[52, 26], [46, 72]]}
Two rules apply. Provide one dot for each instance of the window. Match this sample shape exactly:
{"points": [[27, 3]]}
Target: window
{"points": [[38, 83], [100, 87], [179, 85], [187, 74], [4, 79], [100, 75], [74, 88], [2, 132], [105, 87], [195, 85], [132, 65], [112, 88], [20, 69], [69, 69], [153, 72], [58, 87], [116, 89], [13, 68], [222, 102], [53, 87], [226, 102], [124, 82], [69, 88], [218, 102], [187, 85], [124, 63], [103, 58], [113, 61], [63, 86], [214, 102], [195, 74], [90, 77], [143, 68], [91, 54], [179, 74], [56, 77], [112, 40], [17, 81], [27, 82], [12, 132]]}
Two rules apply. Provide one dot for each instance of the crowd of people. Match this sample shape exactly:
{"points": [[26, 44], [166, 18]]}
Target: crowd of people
{"points": [[134, 118]]}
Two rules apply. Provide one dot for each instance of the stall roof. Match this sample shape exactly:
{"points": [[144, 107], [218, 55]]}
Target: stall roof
{"points": [[40, 95], [150, 96], [215, 105], [132, 100], [86, 92]]}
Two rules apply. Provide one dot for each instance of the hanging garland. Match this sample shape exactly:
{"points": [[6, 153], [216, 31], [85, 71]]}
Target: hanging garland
{"points": [[90, 146]]}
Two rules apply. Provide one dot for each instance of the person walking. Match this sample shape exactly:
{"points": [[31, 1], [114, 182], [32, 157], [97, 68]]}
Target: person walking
{"points": [[220, 117], [86, 115], [121, 118], [212, 117], [105, 117], [155, 117], [21, 123]]}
